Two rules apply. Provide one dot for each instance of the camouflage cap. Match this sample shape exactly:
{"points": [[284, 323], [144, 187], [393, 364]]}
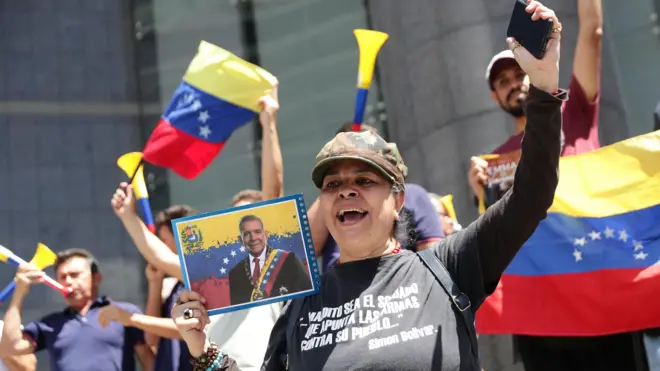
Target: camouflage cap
{"points": [[366, 146]]}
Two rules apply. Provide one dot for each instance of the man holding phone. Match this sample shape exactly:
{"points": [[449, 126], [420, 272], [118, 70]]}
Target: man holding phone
{"points": [[509, 88]]}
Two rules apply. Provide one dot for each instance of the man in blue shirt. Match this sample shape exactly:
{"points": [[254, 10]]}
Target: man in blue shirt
{"points": [[73, 337], [424, 226]]}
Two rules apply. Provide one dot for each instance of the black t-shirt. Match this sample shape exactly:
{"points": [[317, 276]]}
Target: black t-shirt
{"points": [[384, 314], [390, 313]]}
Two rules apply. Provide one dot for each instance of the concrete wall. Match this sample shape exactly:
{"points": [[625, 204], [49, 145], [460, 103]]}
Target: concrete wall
{"points": [[67, 112], [439, 108]]}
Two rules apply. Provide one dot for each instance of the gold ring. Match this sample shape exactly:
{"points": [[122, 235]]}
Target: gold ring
{"points": [[514, 46], [188, 313]]}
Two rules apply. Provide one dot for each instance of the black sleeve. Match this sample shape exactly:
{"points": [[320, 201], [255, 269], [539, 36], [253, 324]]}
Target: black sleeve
{"points": [[477, 255], [277, 345], [299, 275]]}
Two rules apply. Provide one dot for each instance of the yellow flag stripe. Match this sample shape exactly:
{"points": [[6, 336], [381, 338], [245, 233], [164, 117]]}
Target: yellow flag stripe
{"points": [[228, 77], [612, 180]]}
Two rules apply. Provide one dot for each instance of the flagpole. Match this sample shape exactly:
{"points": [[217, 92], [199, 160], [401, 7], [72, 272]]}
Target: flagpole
{"points": [[136, 170]]}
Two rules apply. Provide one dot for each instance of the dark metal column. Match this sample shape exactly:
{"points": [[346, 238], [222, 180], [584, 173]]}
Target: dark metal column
{"points": [[250, 43]]}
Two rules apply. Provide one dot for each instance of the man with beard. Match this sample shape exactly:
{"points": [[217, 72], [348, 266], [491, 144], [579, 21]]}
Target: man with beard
{"points": [[509, 88], [266, 272]]}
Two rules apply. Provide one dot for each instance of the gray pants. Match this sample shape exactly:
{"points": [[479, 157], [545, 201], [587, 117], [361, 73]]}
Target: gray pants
{"points": [[652, 345]]}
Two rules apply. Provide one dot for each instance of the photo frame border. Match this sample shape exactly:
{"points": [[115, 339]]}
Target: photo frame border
{"points": [[308, 243]]}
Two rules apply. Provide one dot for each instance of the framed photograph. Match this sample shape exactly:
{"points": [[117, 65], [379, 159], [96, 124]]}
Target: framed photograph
{"points": [[249, 255]]}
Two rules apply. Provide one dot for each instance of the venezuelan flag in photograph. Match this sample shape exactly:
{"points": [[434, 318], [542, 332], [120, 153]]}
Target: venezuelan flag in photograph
{"points": [[218, 94], [591, 268], [217, 250]]}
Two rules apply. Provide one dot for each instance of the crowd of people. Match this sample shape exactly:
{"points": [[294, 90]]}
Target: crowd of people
{"points": [[388, 239]]}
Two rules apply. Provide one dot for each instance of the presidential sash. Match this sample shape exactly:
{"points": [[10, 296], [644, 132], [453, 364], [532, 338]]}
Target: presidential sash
{"points": [[269, 272]]}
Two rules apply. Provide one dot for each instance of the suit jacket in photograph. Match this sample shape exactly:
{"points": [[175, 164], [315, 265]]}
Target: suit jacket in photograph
{"points": [[290, 278]]}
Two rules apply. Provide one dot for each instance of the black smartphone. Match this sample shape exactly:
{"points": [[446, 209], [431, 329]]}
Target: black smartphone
{"points": [[533, 35]]}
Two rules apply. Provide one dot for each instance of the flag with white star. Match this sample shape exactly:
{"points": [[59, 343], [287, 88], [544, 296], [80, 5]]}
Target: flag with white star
{"points": [[212, 266], [592, 266], [218, 94]]}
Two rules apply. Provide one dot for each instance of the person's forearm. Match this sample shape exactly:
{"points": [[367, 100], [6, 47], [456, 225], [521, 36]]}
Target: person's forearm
{"points": [[507, 225], [589, 47], [27, 362], [318, 228], [153, 309], [590, 13], [272, 173], [12, 334], [152, 248], [147, 364], [163, 327]]}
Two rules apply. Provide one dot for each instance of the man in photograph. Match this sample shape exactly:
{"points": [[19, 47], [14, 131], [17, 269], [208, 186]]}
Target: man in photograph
{"points": [[266, 272]]}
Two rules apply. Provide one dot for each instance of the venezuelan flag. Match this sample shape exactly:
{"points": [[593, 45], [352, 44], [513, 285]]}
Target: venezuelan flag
{"points": [[591, 268], [218, 94]]}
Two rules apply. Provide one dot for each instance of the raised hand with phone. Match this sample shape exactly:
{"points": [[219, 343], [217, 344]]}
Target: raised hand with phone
{"points": [[533, 26], [535, 43]]}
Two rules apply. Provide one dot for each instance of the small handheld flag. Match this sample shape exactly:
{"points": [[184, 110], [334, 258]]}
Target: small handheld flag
{"points": [[218, 94], [42, 259], [131, 164], [369, 44], [9, 257]]}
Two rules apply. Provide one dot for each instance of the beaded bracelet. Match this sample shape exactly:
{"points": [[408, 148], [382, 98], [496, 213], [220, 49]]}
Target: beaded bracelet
{"points": [[209, 361], [215, 366]]}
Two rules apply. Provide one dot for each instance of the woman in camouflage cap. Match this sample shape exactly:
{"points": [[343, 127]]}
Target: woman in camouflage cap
{"points": [[383, 308]]}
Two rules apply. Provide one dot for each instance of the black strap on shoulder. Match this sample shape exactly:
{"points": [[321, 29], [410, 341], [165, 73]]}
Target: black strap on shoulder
{"points": [[459, 299], [291, 324]]}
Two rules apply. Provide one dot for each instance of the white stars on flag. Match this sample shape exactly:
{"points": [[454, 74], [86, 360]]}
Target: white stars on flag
{"points": [[205, 131], [609, 233], [580, 241], [225, 261], [233, 253], [223, 270], [242, 249], [196, 105], [203, 117], [577, 254]]}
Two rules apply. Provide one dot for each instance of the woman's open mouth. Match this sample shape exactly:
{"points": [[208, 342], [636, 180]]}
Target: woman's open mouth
{"points": [[351, 216]]}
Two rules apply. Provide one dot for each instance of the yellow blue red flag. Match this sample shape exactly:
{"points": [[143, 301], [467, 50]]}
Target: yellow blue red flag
{"points": [[218, 94], [591, 268]]}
